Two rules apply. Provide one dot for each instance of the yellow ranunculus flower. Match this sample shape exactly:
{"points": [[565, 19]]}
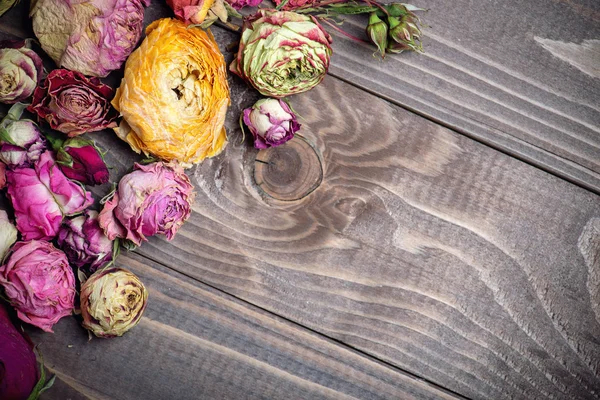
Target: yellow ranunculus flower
{"points": [[174, 95]]}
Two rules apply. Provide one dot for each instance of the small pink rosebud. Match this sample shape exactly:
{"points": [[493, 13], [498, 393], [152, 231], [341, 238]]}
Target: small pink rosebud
{"points": [[271, 121], [84, 242], [81, 160]]}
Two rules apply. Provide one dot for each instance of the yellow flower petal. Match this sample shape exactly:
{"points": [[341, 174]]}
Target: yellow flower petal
{"points": [[174, 95]]}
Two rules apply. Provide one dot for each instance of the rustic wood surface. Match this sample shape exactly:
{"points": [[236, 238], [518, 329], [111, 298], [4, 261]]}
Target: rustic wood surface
{"points": [[379, 255], [522, 76], [196, 342]]}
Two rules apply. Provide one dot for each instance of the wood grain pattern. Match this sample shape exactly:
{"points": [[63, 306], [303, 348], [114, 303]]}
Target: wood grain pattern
{"points": [[197, 343], [506, 73], [421, 247]]}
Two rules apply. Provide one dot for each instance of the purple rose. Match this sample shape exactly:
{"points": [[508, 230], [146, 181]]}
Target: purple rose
{"points": [[237, 4], [18, 364], [39, 283], [271, 122], [93, 37], [84, 242], [21, 144], [153, 199], [42, 196], [2, 175], [81, 160], [20, 71]]}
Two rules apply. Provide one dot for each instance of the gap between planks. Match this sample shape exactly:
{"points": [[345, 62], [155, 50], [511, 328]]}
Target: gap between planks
{"points": [[479, 139], [482, 140], [346, 346]]}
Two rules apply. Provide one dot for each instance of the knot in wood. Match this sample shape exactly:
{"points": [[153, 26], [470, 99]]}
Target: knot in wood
{"points": [[289, 172]]}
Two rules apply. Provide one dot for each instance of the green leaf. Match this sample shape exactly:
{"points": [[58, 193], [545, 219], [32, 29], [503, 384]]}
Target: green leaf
{"points": [[410, 7], [56, 139], [242, 127], [5, 137], [16, 111], [129, 245], [41, 386], [81, 276], [6, 5], [281, 5], [116, 251], [109, 195], [232, 12]]}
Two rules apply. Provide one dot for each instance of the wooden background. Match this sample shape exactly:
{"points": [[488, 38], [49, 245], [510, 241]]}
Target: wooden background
{"points": [[382, 254]]}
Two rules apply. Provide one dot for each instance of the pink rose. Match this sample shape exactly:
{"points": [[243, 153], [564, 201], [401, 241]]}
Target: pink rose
{"points": [[39, 283], [84, 242], [190, 11], [18, 365], [81, 160], [2, 175], [237, 4], [294, 4], [42, 196], [155, 198], [74, 104]]}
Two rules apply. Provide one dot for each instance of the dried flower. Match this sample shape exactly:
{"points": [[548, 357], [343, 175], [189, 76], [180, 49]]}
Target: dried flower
{"points": [[20, 71], [271, 122], [80, 159], [2, 175], [42, 196], [92, 37], [18, 364], [404, 32], [21, 141], [190, 11], [8, 234], [282, 53], [238, 4], [84, 242], [112, 302], [294, 4], [39, 283], [174, 95], [73, 104], [153, 199]]}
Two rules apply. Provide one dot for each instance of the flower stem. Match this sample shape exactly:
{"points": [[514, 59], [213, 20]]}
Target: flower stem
{"points": [[343, 32]]}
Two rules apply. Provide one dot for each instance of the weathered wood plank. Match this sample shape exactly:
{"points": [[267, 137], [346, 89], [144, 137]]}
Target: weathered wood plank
{"points": [[420, 247], [196, 342], [511, 74]]}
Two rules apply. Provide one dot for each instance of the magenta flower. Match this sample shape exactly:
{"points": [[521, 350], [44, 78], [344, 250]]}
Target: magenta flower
{"points": [[39, 283], [2, 175], [237, 4], [84, 242], [81, 160], [271, 122], [153, 199], [42, 196], [18, 364]]}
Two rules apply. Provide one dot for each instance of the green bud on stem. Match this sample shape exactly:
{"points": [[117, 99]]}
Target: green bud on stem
{"points": [[377, 30]]}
